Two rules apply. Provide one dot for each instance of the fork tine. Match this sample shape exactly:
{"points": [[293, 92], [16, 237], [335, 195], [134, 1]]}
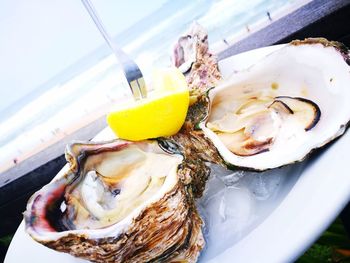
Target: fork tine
{"points": [[142, 87], [135, 78], [135, 89]]}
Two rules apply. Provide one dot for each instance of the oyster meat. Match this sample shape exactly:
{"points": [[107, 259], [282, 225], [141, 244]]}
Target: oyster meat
{"points": [[279, 110], [258, 123], [118, 202]]}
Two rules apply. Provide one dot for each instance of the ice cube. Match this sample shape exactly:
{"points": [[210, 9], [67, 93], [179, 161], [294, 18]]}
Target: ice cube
{"points": [[231, 180], [226, 213]]}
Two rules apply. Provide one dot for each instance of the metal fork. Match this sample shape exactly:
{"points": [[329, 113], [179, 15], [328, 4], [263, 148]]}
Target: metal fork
{"points": [[132, 72]]}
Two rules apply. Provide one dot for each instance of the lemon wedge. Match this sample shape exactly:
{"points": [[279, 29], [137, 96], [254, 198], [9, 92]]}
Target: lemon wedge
{"points": [[162, 113]]}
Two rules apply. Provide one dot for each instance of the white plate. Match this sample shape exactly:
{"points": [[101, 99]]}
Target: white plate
{"points": [[284, 226]]}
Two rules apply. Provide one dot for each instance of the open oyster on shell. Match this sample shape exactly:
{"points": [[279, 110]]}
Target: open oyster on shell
{"points": [[118, 202], [277, 111], [124, 201]]}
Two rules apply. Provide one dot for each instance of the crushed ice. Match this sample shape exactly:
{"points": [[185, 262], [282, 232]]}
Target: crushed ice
{"points": [[235, 202]]}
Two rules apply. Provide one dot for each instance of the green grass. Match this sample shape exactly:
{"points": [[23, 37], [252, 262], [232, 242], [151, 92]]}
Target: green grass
{"points": [[332, 246], [5, 240]]}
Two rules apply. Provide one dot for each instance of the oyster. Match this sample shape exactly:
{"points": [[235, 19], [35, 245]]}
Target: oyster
{"points": [[190, 47], [276, 112], [192, 56], [118, 202], [126, 201]]}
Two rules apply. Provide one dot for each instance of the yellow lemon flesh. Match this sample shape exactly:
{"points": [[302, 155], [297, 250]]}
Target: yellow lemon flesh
{"points": [[162, 113]]}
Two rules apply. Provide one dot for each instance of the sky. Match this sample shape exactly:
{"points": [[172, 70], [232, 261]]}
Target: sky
{"points": [[39, 39]]}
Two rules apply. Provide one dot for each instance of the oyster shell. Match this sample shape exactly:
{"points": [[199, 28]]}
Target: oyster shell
{"points": [[276, 112], [190, 47], [118, 202], [192, 56]]}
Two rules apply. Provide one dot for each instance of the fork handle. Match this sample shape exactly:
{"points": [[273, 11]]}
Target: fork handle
{"points": [[127, 64]]}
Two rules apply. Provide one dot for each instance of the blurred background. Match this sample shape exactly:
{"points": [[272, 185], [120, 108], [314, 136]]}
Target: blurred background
{"points": [[58, 75], [41, 39]]}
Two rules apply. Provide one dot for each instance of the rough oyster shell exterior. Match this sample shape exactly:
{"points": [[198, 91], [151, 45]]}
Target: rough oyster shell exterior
{"points": [[167, 228]]}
